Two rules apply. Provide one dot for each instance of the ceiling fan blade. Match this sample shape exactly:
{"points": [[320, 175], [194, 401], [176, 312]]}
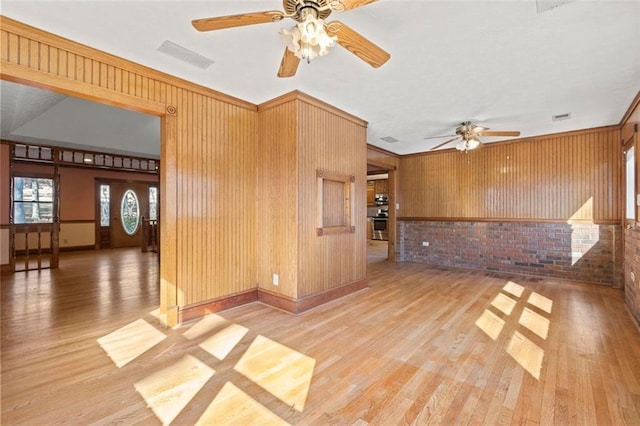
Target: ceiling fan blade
{"points": [[438, 137], [222, 22], [357, 44], [353, 4], [500, 133], [479, 129], [444, 143], [289, 64]]}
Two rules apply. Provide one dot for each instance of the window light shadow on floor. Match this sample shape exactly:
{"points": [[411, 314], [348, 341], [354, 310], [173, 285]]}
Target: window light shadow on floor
{"points": [[282, 371], [523, 350]]}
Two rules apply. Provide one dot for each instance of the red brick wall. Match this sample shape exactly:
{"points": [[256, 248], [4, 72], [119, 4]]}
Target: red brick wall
{"points": [[583, 252], [632, 264]]}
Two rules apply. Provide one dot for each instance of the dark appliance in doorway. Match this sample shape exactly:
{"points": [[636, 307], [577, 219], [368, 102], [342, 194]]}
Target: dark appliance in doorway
{"points": [[380, 221]]}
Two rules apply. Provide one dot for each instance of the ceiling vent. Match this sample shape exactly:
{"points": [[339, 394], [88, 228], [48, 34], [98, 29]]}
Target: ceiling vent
{"points": [[389, 139], [545, 5], [185, 55], [560, 117]]}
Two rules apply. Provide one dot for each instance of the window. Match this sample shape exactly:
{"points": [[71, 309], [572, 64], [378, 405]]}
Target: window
{"points": [[153, 203], [630, 183], [105, 199], [32, 200], [335, 203], [130, 212]]}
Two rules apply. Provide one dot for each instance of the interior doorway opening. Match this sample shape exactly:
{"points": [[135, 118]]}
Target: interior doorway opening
{"points": [[381, 218]]}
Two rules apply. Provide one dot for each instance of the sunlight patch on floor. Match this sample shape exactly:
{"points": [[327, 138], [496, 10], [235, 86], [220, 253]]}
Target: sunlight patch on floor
{"points": [[159, 316], [205, 326], [234, 407], [504, 303], [526, 353], [513, 288], [535, 322], [129, 342], [169, 390], [220, 344], [280, 370], [540, 302], [490, 323]]}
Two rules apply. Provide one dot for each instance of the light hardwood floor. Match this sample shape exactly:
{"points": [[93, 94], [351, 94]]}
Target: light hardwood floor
{"points": [[422, 345]]}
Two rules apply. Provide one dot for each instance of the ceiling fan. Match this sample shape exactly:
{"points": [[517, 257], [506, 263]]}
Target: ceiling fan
{"points": [[311, 37], [467, 134]]}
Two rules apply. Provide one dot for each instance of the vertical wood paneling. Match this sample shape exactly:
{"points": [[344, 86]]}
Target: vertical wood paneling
{"points": [[329, 142], [299, 137], [277, 199], [559, 177], [211, 221]]}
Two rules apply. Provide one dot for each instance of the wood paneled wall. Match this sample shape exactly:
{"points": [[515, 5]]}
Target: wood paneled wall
{"points": [[277, 195], [630, 133], [335, 142], [569, 176], [208, 176], [379, 156], [300, 135]]}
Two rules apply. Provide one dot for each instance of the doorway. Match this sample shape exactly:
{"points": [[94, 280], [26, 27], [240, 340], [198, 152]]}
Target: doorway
{"points": [[129, 204], [381, 212], [123, 210]]}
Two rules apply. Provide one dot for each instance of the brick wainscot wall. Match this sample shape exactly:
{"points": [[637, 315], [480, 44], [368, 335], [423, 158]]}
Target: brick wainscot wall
{"points": [[632, 264], [584, 252]]}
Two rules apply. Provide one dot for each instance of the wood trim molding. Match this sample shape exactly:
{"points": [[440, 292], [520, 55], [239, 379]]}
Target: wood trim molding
{"points": [[383, 151], [303, 97], [274, 300], [634, 104], [78, 248], [381, 164], [70, 221], [279, 100], [298, 306], [332, 109], [188, 313], [25, 30], [486, 219], [527, 139], [54, 83]]}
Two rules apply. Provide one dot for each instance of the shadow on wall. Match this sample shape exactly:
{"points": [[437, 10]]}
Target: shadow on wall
{"points": [[579, 251]]}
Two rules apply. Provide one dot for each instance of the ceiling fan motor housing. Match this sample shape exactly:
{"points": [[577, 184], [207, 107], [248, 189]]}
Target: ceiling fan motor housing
{"points": [[299, 9]]}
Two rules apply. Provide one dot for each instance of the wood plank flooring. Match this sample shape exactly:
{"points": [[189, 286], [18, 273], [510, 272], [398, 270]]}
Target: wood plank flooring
{"points": [[422, 345]]}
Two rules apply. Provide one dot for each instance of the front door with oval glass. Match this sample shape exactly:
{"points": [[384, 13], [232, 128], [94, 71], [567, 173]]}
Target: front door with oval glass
{"points": [[129, 203]]}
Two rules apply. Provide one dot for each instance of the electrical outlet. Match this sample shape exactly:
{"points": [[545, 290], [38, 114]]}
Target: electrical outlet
{"points": [[425, 244], [633, 277], [276, 279]]}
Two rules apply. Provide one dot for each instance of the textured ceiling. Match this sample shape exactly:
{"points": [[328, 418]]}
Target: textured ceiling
{"points": [[500, 64], [37, 116]]}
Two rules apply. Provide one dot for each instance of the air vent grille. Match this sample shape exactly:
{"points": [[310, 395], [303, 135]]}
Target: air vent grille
{"points": [[560, 117], [545, 5], [170, 48], [389, 139]]}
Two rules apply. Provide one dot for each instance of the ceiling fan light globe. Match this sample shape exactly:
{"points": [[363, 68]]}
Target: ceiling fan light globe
{"points": [[473, 144], [291, 38]]}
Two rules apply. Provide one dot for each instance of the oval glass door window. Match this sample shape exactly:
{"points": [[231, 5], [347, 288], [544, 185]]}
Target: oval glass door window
{"points": [[130, 212]]}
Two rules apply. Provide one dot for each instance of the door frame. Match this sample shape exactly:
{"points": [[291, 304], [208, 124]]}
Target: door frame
{"points": [[391, 223], [168, 115], [108, 181]]}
